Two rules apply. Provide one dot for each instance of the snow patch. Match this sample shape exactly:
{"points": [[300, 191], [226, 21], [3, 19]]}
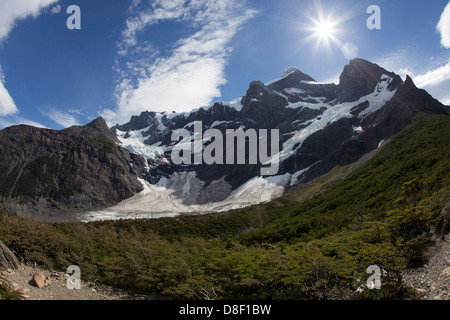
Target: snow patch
{"points": [[146, 186], [314, 106], [294, 91], [285, 73], [379, 97], [135, 144], [218, 123], [298, 174], [235, 104], [333, 113], [358, 129], [169, 198]]}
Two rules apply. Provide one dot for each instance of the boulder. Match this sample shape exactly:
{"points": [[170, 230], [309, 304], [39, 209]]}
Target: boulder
{"points": [[420, 293], [39, 280], [446, 272]]}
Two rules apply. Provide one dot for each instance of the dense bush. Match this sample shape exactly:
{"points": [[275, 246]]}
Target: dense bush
{"points": [[382, 214]]}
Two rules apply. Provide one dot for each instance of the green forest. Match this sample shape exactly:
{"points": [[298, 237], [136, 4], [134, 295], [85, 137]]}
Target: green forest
{"points": [[296, 247]]}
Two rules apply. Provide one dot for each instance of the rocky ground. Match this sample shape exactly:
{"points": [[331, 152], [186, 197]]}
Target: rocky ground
{"points": [[54, 286], [432, 281]]}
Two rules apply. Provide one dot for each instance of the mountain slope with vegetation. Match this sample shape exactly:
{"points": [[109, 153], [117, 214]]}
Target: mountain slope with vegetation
{"points": [[54, 174], [384, 213]]}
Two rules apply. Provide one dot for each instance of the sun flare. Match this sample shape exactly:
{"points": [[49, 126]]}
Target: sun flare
{"points": [[324, 30]]}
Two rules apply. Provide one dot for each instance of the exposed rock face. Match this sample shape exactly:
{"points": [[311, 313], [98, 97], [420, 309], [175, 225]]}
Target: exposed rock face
{"points": [[360, 78], [55, 173], [320, 125], [8, 260], [96, 129]]}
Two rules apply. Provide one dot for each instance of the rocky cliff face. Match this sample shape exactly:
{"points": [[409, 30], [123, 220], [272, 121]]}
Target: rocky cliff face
{"points": [[59, 173], [320, 126]]}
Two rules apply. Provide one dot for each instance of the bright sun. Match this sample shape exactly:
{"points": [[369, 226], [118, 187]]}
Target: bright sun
{"points": [[324, 30]]}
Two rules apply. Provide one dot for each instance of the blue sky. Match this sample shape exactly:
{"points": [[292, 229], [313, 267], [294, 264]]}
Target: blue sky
{"points": [[176, 55]]}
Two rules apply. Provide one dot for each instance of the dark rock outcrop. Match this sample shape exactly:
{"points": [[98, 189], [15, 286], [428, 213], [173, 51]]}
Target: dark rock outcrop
{"points": [[269, 106], [58, 173], [8, 259], [95, 129], [360, 78]]}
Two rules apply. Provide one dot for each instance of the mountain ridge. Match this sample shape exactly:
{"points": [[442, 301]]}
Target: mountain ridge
{"points": [[56, 174], [321, 126], [386, 214]]}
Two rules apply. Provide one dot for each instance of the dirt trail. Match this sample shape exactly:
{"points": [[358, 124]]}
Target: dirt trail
{"points": [[432, 281]]}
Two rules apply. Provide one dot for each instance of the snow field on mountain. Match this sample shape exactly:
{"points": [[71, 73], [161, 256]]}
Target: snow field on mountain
{"points": [[173, 196], [333, 113], [179, 193]]}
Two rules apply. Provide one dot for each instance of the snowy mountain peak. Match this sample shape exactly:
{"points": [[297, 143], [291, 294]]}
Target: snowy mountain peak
{"points": [[320, 126], [289, 71]]}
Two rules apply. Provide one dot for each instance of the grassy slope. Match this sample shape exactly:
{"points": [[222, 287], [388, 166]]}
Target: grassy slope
{"points": [[381, 214]]}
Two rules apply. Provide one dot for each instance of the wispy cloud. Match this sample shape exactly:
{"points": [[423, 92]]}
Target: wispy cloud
{"points": [[56, 9], [191, 74], [16, 120], [398, 62], [64, 119]]}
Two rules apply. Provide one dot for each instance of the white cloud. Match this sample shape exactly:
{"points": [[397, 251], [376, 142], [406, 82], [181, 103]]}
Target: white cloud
{"points": [[64, 119], [74, 111], [443, 27], [398, 62], [13, 10], [191, 74], [7, 105], [10, 12], [436, 82], [431, 74], [56, 9], [16, 120], [29, 122]]}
